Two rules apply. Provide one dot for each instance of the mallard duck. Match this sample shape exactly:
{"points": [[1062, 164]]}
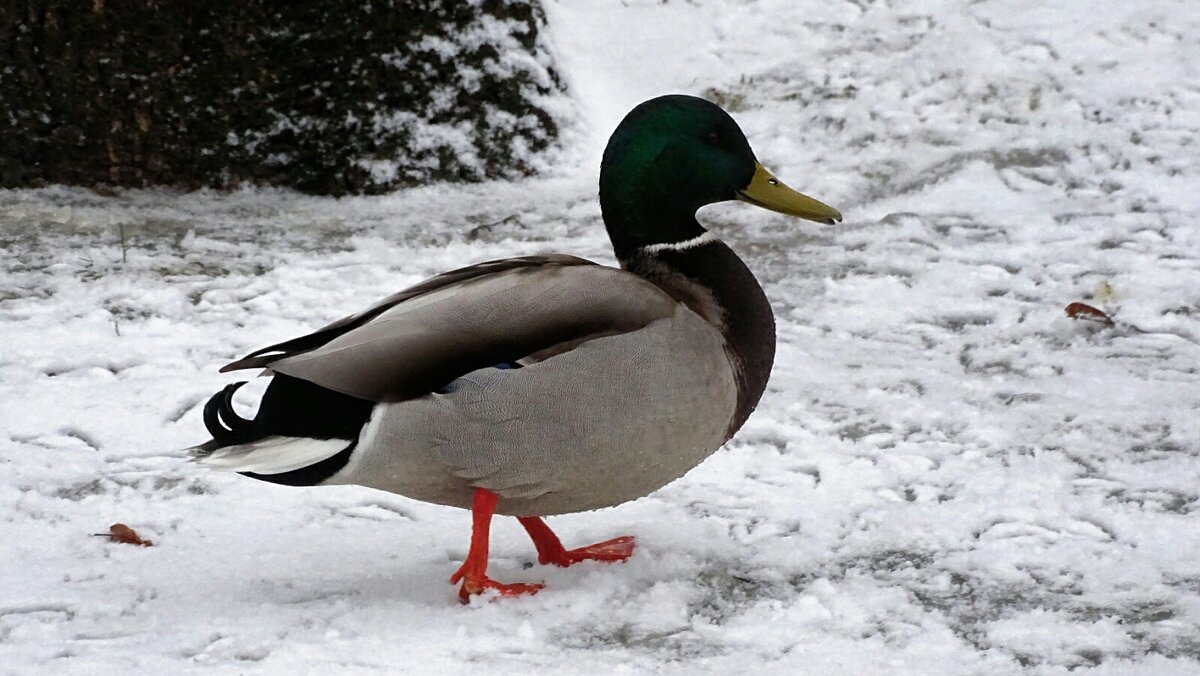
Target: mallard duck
{"points": [[540, 385]]}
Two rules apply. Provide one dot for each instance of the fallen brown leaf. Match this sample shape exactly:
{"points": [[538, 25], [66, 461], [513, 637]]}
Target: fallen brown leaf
{"points": [[119, 532], [1088, 313]]}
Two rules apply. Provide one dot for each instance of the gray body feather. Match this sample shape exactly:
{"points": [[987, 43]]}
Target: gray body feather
{"points": [[624, 388], [607, 422]]}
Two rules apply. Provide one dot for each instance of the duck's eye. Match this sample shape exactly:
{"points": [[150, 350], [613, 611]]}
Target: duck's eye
{"points": [[711, 137], [773, 181]]}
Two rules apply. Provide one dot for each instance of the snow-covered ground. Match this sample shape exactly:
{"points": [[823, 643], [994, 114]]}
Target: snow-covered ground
{"points": [[946, 476]]}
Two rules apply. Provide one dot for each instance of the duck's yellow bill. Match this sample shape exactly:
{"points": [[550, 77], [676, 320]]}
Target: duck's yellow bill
{"points": [[769, 192]]}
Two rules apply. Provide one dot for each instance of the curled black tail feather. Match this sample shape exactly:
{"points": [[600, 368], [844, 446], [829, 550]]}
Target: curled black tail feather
{"points": [[226, 426], [290, 407]]}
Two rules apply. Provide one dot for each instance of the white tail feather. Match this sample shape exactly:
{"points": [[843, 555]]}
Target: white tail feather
{"points": [[272, 455]]}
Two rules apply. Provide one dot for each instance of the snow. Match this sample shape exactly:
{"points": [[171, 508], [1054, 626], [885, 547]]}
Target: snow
{"points": [[946, 476]]}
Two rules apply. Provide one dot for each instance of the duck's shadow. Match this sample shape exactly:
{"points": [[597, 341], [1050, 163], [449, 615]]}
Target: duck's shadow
{"points": [[362, 578]]}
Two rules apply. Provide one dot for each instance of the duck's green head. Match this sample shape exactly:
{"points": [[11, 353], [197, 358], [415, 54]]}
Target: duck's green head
{"points": [[674, 154]]}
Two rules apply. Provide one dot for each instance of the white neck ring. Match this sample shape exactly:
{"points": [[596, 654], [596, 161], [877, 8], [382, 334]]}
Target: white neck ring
{"points": [[699, 240]]}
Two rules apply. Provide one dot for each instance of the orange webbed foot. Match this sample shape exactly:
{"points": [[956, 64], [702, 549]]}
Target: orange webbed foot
{"points": [[472, 587], [551, 552], [473, 571], [609, 551]]}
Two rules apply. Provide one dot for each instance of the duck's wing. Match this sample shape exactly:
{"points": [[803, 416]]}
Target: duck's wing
{"points": [[264, 357], [496, 312]]}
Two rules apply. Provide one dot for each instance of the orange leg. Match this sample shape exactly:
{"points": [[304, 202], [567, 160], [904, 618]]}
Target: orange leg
{"points": [[550, 549], [473, 571]]}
